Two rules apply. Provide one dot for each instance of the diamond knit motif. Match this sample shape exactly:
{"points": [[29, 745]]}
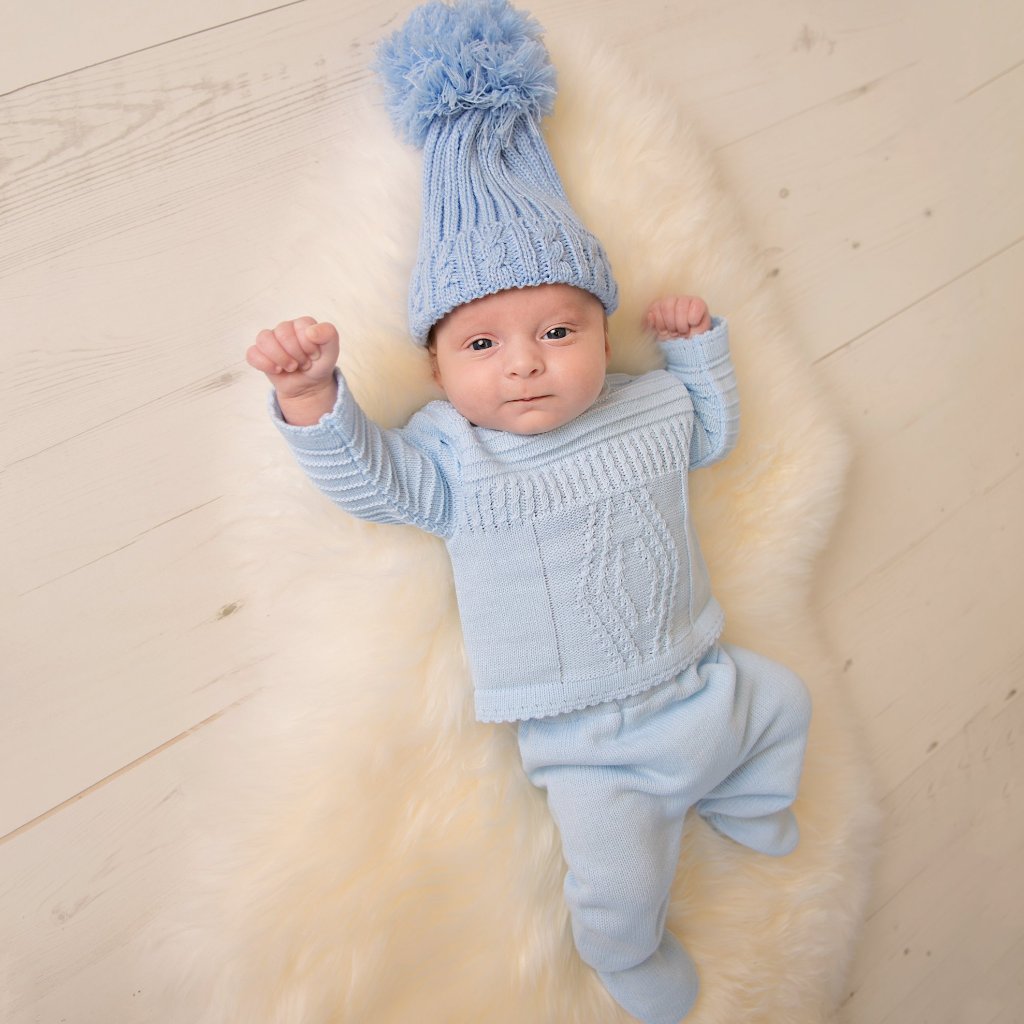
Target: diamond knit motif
{"points": [[629, 579]]}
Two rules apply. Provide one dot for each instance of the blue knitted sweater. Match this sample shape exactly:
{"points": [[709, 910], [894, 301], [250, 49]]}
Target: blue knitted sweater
{"points": [[578, 575]]}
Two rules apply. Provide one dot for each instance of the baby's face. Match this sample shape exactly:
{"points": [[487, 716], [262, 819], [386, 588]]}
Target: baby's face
{"points": [[525, 360]]}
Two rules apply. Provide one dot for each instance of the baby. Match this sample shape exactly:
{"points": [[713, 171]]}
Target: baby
{"points": [[561, 493]]}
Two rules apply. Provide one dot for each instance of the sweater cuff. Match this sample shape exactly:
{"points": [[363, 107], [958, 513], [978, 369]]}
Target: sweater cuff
{"points": [[701, 351], [330, 432]]}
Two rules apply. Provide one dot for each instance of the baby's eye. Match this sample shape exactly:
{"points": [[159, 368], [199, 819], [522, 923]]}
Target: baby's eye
{"points": [[481, 344], [557, 333]]}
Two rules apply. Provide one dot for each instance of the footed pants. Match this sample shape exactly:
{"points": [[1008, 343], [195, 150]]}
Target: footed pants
{"points": [[726, 737]]}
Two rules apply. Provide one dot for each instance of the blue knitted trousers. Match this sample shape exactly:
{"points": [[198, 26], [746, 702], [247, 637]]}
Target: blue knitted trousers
{"points": [[726, 737]]}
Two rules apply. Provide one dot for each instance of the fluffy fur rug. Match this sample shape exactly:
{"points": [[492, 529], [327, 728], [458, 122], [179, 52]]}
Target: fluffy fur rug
{"points": [[379, 856]]}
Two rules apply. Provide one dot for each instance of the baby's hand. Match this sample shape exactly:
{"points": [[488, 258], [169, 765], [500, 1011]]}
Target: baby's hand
{"points": [[678, 316], [298, 357]]}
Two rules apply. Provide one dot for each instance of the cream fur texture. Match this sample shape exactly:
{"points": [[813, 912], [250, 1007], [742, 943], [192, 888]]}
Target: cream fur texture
{"points": [[375, 856]]}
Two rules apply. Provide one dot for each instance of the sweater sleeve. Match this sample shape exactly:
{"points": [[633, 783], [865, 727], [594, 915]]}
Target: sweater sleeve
{"points": [[703, 365], [377, 474]]}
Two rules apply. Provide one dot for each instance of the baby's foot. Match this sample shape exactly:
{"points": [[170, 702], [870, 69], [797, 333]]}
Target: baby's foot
{"points": [[660, 990], [775, 834]]}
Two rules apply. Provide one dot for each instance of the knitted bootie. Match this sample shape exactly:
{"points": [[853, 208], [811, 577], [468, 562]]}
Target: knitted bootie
{"points": [[660, 990]]}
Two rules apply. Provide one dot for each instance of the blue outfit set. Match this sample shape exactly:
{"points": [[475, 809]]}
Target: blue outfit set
{"points": [[588, 618]]}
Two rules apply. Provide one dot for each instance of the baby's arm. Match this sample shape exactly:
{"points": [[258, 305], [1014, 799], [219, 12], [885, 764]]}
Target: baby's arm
{"points": [[696, 347], [384, 476], [298, 357]]}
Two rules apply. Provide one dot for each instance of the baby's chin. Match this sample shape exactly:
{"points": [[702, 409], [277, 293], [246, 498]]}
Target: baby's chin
{"points": [[529, 423]]}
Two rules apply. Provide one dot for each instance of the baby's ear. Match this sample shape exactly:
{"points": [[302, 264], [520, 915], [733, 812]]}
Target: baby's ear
{"points": [[435, 369]]}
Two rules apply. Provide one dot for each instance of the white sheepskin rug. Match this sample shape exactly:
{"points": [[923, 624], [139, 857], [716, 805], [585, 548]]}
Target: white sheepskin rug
{"points": [[373, 854]]}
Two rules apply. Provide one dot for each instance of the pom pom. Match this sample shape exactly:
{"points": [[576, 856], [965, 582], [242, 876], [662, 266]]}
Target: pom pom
{"points": [[475, 55]]}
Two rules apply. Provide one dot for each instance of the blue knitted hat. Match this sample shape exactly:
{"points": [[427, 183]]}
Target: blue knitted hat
{"points": [[469, 83]]}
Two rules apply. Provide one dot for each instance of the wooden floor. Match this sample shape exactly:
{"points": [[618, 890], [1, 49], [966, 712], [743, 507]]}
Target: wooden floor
{"points": [[147, 152]]}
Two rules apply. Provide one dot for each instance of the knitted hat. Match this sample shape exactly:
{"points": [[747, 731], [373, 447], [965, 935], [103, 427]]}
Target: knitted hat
{"points": [[469, 83]]}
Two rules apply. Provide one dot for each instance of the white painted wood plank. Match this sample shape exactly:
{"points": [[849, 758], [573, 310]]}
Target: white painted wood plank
{"points": [[46, 38], [940, 802], [78, 891], [922, 593], [865, 207], [953, 828], [915, 691], [107, 663], [1005, 978], [925, 396]]}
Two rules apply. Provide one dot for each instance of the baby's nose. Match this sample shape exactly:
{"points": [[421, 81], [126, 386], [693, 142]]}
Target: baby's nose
{"points": [[524, 361]]}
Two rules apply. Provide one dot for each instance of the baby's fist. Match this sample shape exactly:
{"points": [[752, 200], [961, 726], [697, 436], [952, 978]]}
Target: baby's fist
{"points": [[298, 356], [678, 316]]}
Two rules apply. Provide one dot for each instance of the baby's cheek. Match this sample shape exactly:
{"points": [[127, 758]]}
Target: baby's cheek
{"points": [[466, 401]]}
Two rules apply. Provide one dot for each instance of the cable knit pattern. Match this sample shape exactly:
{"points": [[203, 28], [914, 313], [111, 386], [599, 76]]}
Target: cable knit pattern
{"points": [[578, 576]]}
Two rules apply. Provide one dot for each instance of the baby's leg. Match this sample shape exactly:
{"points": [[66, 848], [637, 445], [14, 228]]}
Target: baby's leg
{"points": [[620, 824], [752, 805], [622, 850]]}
